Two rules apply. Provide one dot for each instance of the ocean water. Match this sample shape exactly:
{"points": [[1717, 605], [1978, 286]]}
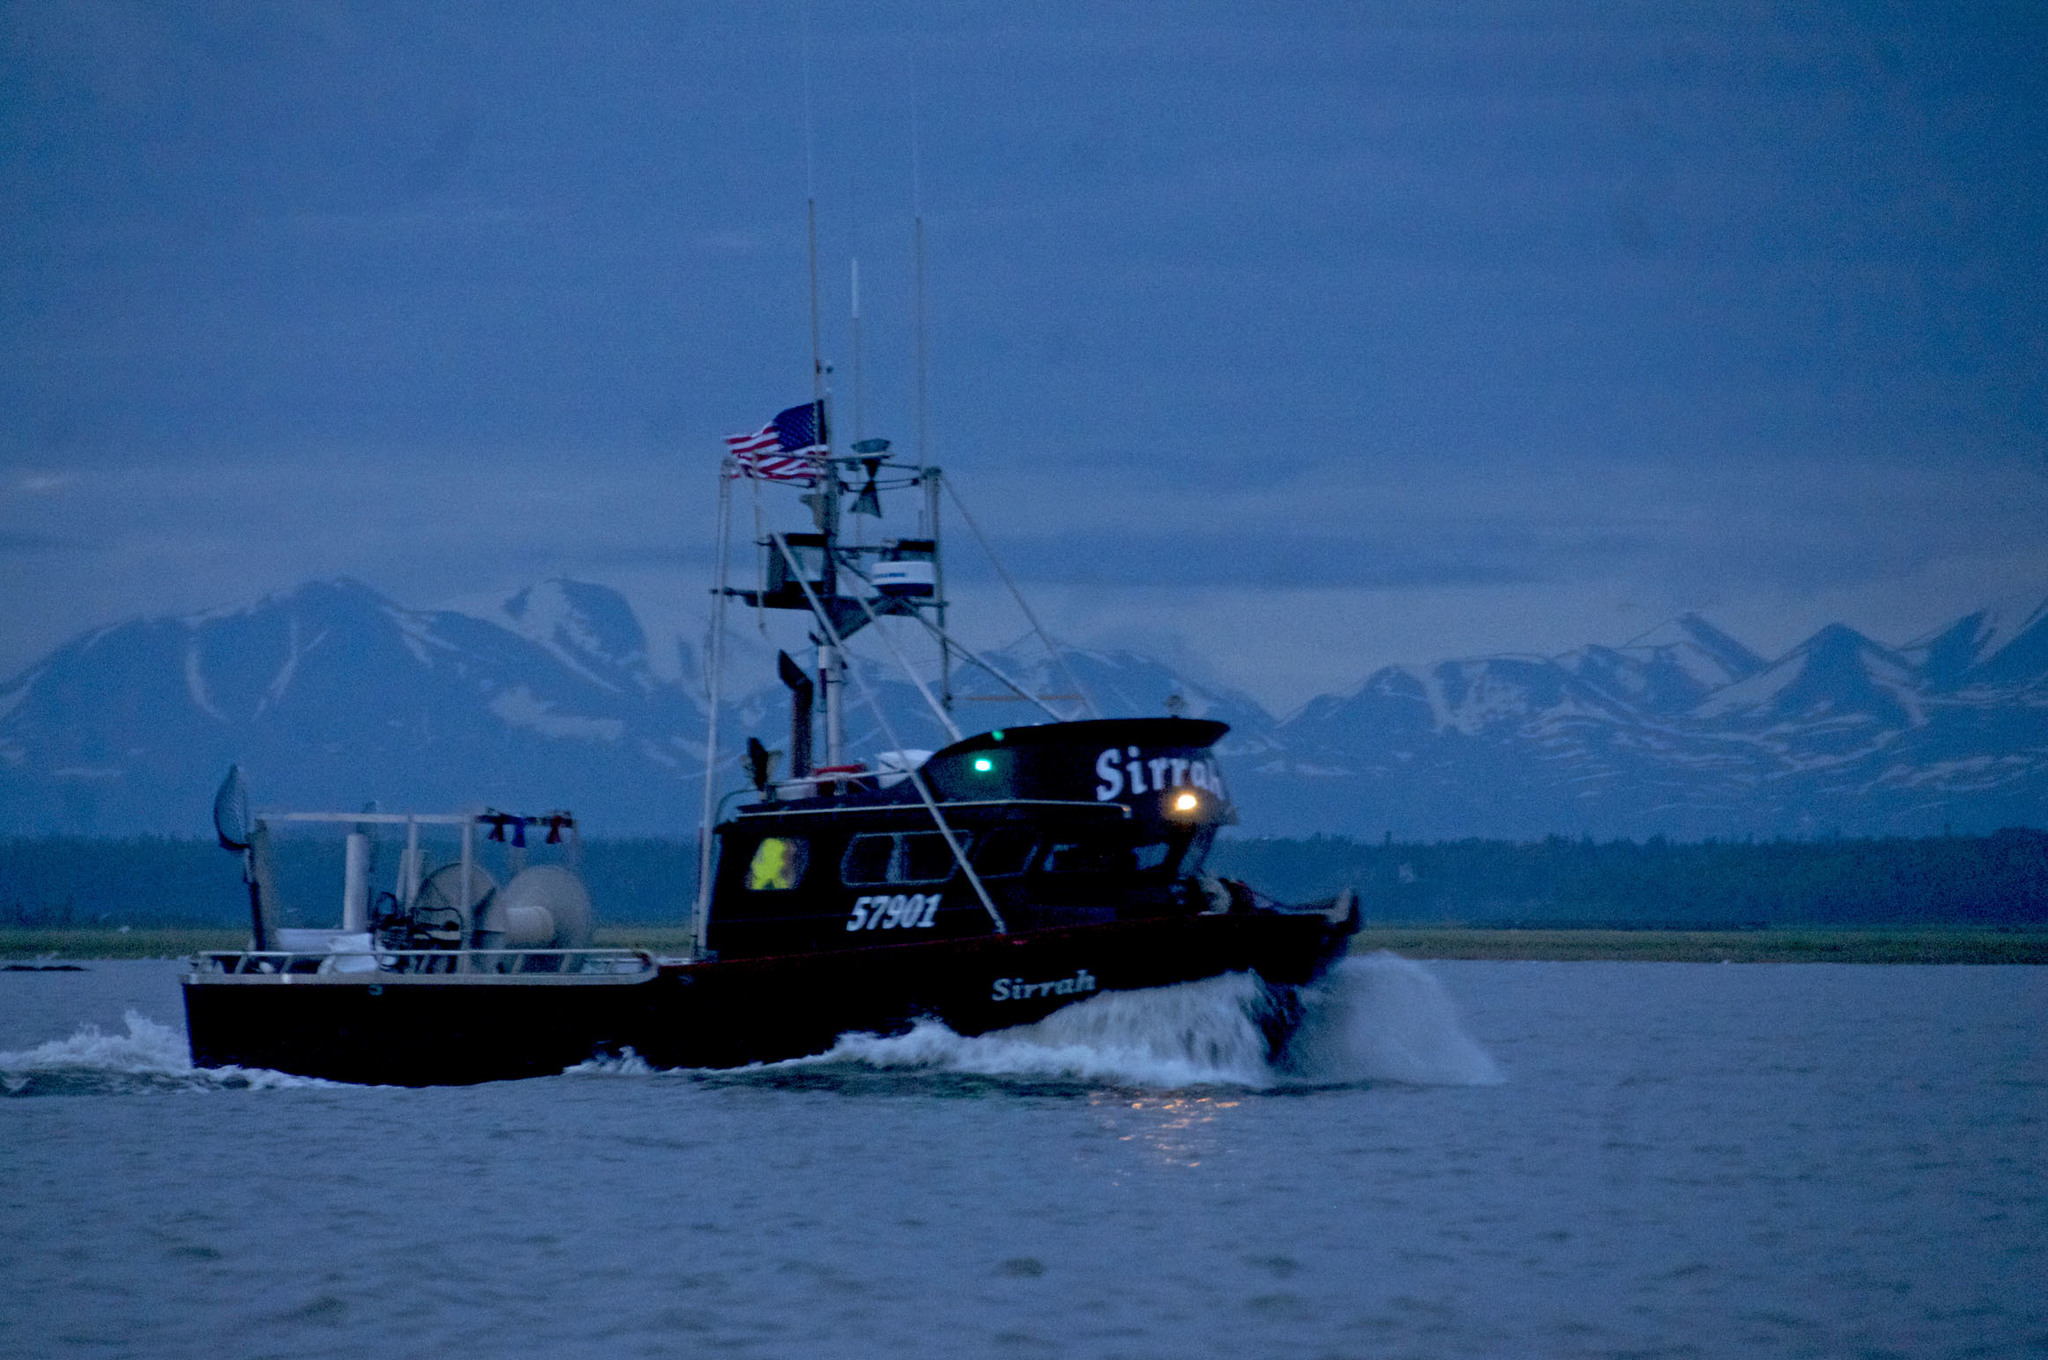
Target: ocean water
{"points": [[1458, 1159]]}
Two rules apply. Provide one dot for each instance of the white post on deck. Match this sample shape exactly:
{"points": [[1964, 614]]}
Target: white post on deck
{"points": [[355, 884], [409, 865]]}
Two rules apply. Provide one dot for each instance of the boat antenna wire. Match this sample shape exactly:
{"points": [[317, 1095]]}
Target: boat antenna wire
{"points": [[1058, 656], [917, 780], [714, 678], [1000, 676]]}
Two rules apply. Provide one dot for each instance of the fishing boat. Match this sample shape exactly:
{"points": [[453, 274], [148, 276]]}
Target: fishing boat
{"points": [[1011, 872], [985, 884]]}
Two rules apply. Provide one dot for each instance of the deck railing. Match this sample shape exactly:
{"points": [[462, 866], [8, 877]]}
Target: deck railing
{"points": [[422, 962]]}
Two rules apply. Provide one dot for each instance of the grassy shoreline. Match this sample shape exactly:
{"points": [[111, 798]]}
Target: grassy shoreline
{"points": [[1906, 944]]}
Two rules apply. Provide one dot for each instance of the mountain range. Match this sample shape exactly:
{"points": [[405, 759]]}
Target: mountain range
{"points": [[331, 695]]}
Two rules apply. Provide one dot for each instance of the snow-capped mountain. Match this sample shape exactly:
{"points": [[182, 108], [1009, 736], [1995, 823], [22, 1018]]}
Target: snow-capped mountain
{"points": [[330, 695], [1685, 733]]}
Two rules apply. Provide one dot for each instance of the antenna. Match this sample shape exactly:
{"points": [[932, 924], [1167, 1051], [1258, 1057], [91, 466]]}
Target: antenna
{"points": [[928, 513], [860, 404], [917, 270], [811, 215], [830, 664]]}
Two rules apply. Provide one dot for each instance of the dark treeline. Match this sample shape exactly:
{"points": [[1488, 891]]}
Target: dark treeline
{"points": [[1996, 879]]}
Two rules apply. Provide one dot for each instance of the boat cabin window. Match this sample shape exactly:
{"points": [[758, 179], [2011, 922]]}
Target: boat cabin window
{"points": [[1004, 852], [924, 857], [867, 859], [1086, 857], [1107, 857], [1152, 854], [778, 864], [900, 857]]}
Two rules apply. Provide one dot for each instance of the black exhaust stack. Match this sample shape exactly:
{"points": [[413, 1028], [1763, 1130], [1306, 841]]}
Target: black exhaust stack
{"points": [[802, 691]]}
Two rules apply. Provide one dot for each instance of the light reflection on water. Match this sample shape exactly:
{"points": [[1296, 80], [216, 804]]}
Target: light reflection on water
{"points": [[1175, 1127]]}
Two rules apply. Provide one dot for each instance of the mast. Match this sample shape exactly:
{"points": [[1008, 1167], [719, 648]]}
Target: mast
{"points": [[930, 477], [860, 414], [831, 665], [928, 513]]}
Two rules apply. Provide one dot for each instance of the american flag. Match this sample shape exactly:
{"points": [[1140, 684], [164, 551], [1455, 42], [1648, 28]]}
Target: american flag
{"points": [[783, 450]]}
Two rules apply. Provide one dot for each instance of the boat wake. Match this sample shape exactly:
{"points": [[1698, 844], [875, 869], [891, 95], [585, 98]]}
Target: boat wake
{"points": [[1371, 1019], [149, 1057], [1374, 1018]]}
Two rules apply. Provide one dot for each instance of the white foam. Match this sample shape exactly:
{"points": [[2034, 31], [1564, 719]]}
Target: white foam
{"points": [[627, 1064], [1380, 1017], [154, 1054], [1373, 1018], [1195, 1034]]}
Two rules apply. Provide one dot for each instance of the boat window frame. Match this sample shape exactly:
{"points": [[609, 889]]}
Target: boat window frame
{"points": [[856, 842], [1166, 856], [1033, 843], [1168, 865], [896, 869], [899, 866]]}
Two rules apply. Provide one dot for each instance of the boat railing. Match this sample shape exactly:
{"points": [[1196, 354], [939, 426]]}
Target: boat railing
{"points": [[427, 962]]}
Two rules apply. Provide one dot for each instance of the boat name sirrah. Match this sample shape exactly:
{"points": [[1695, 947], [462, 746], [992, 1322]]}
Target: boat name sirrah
{"points": [[1017, 989], [1167, 772]]}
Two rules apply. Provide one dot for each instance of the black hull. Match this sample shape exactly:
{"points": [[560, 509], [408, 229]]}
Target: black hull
{"points": [[455, 1030]]}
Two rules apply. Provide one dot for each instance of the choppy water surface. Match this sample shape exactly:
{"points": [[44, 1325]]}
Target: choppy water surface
{"points": [[1457, 1160]]}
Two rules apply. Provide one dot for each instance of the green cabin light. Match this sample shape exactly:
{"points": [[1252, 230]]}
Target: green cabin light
{"points": [[982, 764]]}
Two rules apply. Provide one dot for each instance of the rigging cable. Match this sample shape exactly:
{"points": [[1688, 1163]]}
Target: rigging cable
{"points": [[1059, 657]]}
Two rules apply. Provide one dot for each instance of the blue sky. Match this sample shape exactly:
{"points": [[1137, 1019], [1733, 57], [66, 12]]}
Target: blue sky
{"points": [[1284, 346]]}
